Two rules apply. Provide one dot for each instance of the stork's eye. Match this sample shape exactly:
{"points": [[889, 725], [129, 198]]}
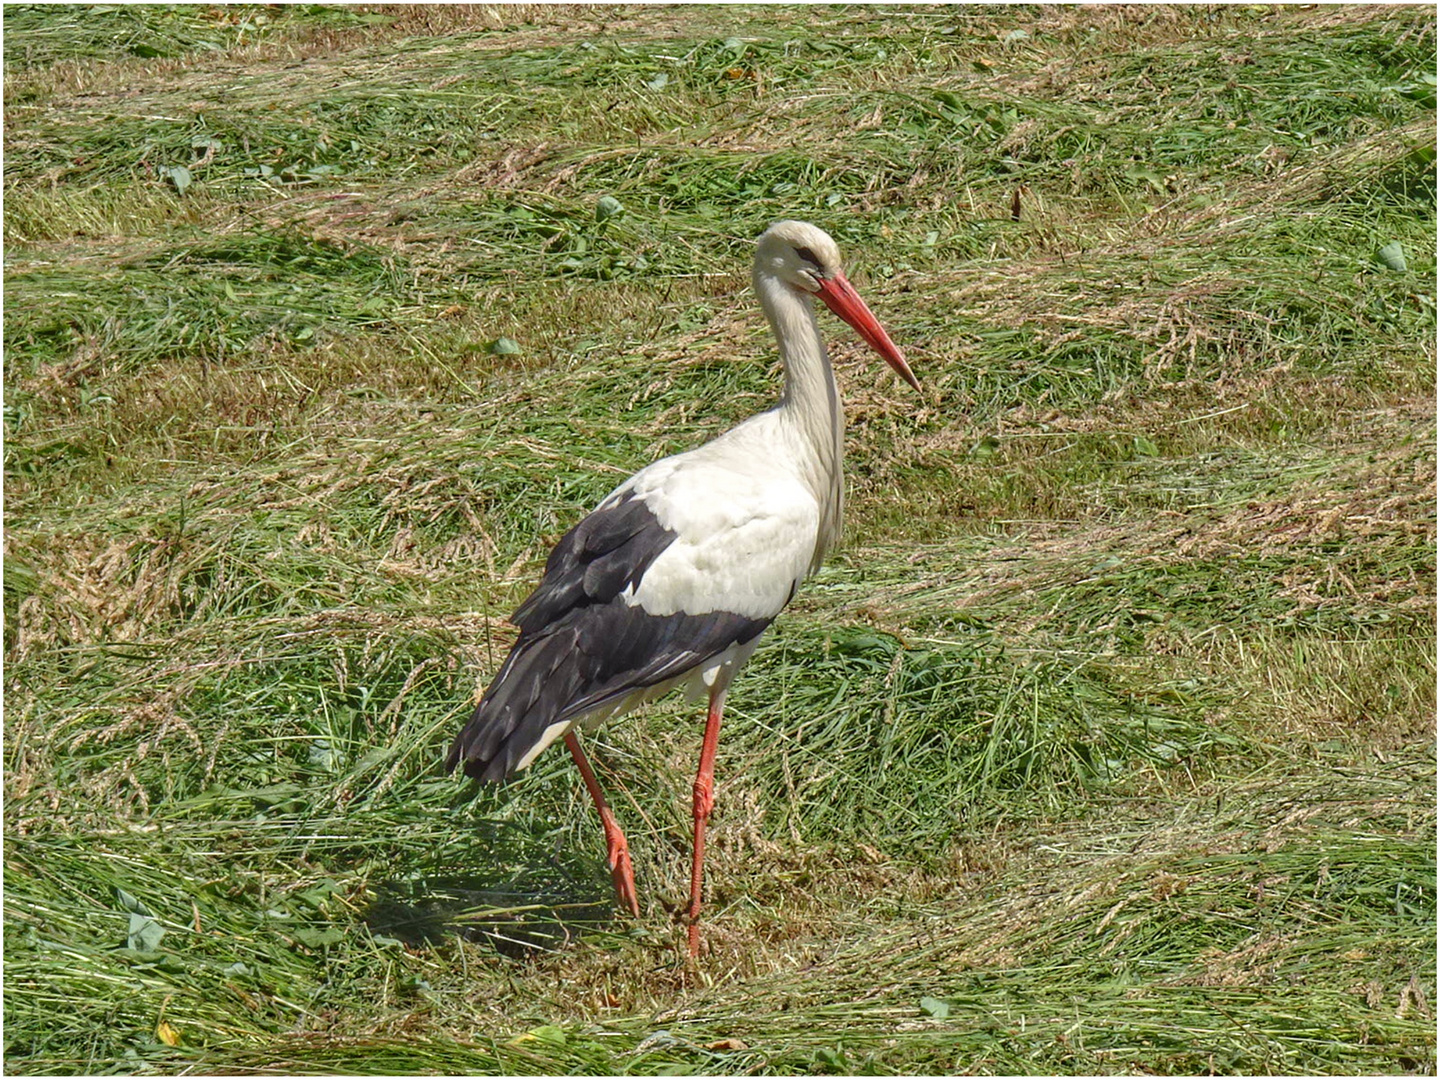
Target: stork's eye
{"points": [[809, 256]]}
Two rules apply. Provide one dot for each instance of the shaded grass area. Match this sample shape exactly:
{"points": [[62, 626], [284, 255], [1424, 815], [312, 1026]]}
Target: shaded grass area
{"points": [[1106, 743]]}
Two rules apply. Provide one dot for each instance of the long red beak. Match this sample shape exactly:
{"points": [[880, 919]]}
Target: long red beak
{"points": [[841, 298]]}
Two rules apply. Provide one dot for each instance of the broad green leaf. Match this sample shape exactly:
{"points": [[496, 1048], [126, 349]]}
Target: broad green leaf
{"points": [[547, 1033], [607, 207], [322, 756], [178, 175], [1392, 256], [130, 903], [1154, 179], [144, 934], [937, 1008], [315, 939]]}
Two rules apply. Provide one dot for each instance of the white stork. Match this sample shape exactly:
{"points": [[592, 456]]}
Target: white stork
{"points": [[670, 581]]}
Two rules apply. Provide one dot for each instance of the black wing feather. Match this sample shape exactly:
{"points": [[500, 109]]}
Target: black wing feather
{"points": [[610, 548], [581, 646]]}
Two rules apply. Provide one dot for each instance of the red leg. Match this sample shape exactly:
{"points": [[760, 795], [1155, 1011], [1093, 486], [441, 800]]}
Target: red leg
{"points": [[617, 851], [704, 803]]}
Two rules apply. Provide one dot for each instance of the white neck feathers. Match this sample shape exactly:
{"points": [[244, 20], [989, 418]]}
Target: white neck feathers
{"points": [[810, 404]]}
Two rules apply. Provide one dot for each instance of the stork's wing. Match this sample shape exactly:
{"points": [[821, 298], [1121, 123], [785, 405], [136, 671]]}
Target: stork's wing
{"points": [[608, 552], [658, 580]]}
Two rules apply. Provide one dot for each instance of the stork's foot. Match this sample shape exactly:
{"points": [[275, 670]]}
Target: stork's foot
{"points": [[622, 872]]}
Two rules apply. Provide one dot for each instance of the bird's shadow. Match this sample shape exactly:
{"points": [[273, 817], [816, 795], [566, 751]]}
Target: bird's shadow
{"points": [[500, 887]]}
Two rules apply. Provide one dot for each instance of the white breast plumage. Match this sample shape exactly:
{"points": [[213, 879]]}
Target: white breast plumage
{"points": [[743, 540]]}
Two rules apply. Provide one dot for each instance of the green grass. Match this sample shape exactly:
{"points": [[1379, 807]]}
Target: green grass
{"points": [[1104, 744]]}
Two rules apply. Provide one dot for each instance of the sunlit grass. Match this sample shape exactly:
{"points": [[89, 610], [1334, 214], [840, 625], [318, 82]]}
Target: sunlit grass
{"points": [[1104, 743]]}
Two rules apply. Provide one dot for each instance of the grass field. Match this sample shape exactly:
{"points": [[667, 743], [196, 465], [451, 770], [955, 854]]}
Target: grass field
{"points": [[1105, 744]]}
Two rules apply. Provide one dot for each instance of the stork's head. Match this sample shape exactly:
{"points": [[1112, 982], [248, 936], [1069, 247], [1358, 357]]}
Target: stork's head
{"points": [[808, 260], [799, 254]]}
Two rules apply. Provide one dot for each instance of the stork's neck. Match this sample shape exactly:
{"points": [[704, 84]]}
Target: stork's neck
{"points": [[810, 404]]}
